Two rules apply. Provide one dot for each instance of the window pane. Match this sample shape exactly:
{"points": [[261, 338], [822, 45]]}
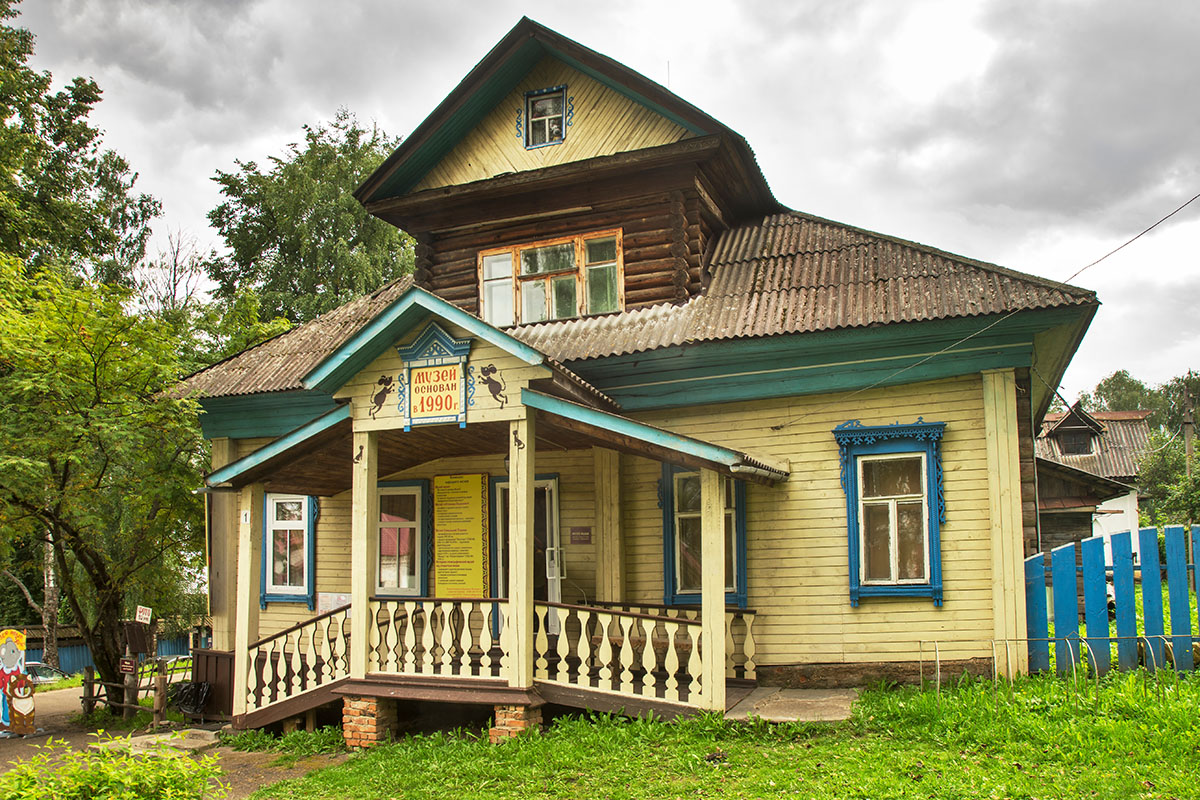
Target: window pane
{"points": [[289, 510], [911, 546], [551, 258], [279, 560], [554, 124], [729, 552], [546, 106], [498, 302], [397, 508], [688, 566], [537, 132], [601, 250], [602, 289], [497, 266], [296, 559], [389, 547], [564, 297], [687, 492], [877, 555], [533, 301], [891, 477]]}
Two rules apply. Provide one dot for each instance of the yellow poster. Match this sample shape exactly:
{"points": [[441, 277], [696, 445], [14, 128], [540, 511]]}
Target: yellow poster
{"points": [[460, 536]]}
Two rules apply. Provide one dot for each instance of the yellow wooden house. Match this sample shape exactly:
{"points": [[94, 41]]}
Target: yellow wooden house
{"points": [[633, 436]]}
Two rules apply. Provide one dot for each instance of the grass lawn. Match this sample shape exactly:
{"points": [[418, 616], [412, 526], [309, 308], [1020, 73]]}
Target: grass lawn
{"points": [[1037, 740]]}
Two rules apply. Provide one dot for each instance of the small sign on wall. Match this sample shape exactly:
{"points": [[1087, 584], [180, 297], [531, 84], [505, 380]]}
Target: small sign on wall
{"points": [[328, 601], [581, 535]]}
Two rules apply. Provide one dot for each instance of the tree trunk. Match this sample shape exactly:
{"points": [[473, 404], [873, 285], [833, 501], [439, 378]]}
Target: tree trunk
{"points": [[49, 609]]}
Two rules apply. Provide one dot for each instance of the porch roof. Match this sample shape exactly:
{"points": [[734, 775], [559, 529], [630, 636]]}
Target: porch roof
{"points": [[315, 458]]}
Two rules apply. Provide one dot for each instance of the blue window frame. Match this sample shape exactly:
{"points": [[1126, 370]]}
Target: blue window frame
{"points": [[680, 502], [895, 506], [405, 543], [289, 550], [546, 117]]}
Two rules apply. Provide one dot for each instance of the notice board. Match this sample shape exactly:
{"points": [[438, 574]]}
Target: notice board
{"points": [[460, 536]]}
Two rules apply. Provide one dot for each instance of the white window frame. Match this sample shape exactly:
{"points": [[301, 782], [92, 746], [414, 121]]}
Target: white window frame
{"points": [[418, 494], [555, 568], [893, 530], [731, 547], [271, 525]]}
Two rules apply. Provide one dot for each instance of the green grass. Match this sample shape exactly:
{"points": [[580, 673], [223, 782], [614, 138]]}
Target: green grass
{"points": [[291, 746], [1134, 738], [72, 682]]}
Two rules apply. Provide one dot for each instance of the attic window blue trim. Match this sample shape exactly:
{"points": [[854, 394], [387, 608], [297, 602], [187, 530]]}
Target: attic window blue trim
{"points": [[308, 592], [545, 121], [671, 594], [855, 441]]}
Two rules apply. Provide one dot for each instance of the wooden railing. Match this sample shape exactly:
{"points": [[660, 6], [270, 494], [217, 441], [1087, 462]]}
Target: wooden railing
{"points": [[298, 659], [449, 637], [641, 655], [740, 649]]}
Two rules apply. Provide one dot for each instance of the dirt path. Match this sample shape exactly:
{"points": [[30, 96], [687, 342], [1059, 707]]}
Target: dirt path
{"points": [[246, 773]]}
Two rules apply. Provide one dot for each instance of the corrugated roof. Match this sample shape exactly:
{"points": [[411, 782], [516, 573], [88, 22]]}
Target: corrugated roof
{"points": [[1115, 453], [795, 273], [278, 364], [788, 273]]}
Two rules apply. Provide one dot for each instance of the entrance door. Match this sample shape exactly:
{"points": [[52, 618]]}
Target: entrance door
{"points": [[548, 569]]}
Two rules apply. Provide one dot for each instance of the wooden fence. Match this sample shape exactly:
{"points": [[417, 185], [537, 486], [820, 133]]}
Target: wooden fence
{"points": [[152, 678], [1111, 617]]}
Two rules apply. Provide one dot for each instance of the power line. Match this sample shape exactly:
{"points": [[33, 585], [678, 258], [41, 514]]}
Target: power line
{"points": [[1134, 239]]}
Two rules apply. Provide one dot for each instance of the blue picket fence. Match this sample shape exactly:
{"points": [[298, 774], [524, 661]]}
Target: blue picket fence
{"points": [[1110, 617], [73, 658]]}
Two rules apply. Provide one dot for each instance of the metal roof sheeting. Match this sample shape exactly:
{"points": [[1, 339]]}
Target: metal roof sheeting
{"points": [[1115, 453], [795, 273], [785, 274]]}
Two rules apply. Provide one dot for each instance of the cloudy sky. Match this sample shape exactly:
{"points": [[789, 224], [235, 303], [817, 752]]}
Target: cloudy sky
{"points": [[1037, 134]]}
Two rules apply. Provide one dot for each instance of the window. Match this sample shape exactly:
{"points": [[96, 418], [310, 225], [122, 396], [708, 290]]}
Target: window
{"points": [[545, 112], [681, 537], [892, 477], [403, 531], [288, 544], [1075, 443], [556, 279], [548, 567]]}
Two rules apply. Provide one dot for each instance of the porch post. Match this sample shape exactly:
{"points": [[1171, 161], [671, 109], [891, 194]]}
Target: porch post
{"points": [[249, 585], [712, 590], [364, 513], [610, 556], [521, 476]]}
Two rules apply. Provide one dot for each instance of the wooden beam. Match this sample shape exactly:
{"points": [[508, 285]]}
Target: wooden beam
{"points": [[712, 590], [518, 628], [364, 516], [610, 549], [249, 577]]}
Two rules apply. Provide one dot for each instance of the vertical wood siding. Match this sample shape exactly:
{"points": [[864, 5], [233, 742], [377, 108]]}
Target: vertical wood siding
{"points": [[603, 123]]}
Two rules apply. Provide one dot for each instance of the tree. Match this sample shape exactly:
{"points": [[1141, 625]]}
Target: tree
{"points": [[295, 233], [95, 458], [65, 202]]}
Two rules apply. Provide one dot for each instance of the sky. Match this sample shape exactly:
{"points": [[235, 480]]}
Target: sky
{"points": [[1035, 134]]}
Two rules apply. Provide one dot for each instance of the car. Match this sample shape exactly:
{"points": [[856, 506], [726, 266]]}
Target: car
{"points": [[40, 674]]}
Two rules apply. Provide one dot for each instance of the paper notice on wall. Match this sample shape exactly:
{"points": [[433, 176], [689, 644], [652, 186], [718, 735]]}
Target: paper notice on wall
{"points": [[460, 536], [328, 601]]}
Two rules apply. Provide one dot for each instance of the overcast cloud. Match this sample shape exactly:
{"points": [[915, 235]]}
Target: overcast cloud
{"points": [[1034, 134]]}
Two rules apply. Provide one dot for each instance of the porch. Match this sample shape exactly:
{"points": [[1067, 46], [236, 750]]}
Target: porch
{"points": [[610, 657]]}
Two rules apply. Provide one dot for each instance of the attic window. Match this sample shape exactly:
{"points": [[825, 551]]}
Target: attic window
{"points": [[545, 112], [1075, 443]]}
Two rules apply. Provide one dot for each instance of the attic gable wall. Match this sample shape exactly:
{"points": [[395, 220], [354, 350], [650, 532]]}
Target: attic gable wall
{"points": [[603, 123]]}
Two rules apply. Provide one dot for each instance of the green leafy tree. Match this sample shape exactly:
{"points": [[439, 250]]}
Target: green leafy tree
{"points": [[65, 201], [95, 458], [294, 231]]}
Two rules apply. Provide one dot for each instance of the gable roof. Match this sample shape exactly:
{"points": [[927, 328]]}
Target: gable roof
{"points": [[796, 273], [788, 273], [499, 72], [1116, 449]]}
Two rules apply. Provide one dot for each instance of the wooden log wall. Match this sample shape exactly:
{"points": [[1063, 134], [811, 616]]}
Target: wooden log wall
{"points": [[665, 236]]}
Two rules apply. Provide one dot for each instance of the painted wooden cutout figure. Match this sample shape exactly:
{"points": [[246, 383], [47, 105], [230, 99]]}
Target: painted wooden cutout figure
{"points": [[12, 666], [496, 387], [19, 694], [386, 384]]}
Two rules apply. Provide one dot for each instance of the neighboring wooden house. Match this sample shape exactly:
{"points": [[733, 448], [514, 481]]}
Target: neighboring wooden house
{"points": [[1087, 474], [633, 436]]}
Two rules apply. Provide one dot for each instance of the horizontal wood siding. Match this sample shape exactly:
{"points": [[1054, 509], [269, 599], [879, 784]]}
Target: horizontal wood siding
{"points": [[797, 542], [665, 235], [603, 123]]}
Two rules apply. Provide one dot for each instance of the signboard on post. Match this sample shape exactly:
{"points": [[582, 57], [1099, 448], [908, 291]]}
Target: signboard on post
{"points": [[143, 615], [460, 536], [128, 666]]}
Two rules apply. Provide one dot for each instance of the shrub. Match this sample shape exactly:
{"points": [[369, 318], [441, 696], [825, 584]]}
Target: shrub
{"points": [[110, 774]]}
